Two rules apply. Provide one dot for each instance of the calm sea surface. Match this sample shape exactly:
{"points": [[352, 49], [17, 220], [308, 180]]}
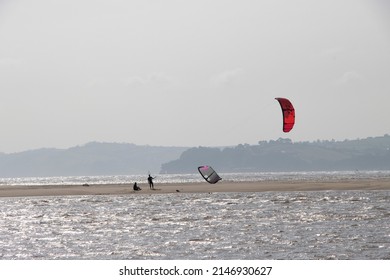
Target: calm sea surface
{"points": [[265, 225]]}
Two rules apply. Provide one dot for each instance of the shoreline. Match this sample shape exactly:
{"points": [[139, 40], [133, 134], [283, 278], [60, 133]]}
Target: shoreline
{"points": [[222, 186]]}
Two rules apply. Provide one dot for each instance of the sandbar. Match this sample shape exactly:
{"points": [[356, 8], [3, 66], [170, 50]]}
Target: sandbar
{"points": [[178, 188]]}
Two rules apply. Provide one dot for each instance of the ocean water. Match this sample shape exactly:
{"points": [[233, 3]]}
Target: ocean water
{"points": [[262, 225], [193, 178]]}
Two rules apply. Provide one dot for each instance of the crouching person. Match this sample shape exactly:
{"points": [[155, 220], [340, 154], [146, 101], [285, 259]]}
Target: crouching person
{"points": [[135, 187]]}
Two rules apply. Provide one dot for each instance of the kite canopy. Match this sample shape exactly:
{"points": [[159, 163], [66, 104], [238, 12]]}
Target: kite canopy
{"points": [[288, 113], [209, 174]]}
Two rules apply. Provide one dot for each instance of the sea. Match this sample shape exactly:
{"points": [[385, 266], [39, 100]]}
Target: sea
{"points": [[300, 225]]}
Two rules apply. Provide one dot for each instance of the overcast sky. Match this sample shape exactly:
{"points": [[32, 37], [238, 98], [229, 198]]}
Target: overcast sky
{"points": [[191, 73]]}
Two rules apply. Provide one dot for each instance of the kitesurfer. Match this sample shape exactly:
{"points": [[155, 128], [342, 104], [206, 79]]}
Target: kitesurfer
{"points": [[135, 187], [150, 181]]}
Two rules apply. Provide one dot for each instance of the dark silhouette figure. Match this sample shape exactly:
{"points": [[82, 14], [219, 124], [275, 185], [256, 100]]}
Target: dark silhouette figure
{"points": [[150, 181], [135, 187]]}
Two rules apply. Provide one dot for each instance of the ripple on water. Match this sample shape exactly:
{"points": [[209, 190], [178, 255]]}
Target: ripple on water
{"points": [[310, 225]]}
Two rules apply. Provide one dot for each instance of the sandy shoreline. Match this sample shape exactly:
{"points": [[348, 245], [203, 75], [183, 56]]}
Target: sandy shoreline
{"points": [[261, 186]]}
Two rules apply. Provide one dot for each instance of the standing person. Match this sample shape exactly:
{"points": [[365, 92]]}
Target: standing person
{"points": [[150, 181]]}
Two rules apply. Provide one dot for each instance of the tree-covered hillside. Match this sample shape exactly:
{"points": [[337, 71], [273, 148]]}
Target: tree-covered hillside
{"points": [[91, 159], [283, 155]]}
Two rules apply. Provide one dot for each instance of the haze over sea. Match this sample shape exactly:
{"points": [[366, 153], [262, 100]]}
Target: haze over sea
{"points": [[237, 225]]}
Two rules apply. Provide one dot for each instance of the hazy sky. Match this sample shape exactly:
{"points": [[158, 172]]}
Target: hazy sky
{"points": [[191, 73]]}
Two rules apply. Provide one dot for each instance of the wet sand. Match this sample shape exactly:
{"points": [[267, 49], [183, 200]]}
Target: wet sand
{"points": [[261, 186]]}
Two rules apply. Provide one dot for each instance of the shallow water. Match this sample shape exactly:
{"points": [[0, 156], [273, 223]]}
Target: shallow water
{"points": [[196, 178], [270, 225]]}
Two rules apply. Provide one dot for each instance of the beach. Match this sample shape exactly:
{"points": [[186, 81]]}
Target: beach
{"points": [[222, 186]]}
